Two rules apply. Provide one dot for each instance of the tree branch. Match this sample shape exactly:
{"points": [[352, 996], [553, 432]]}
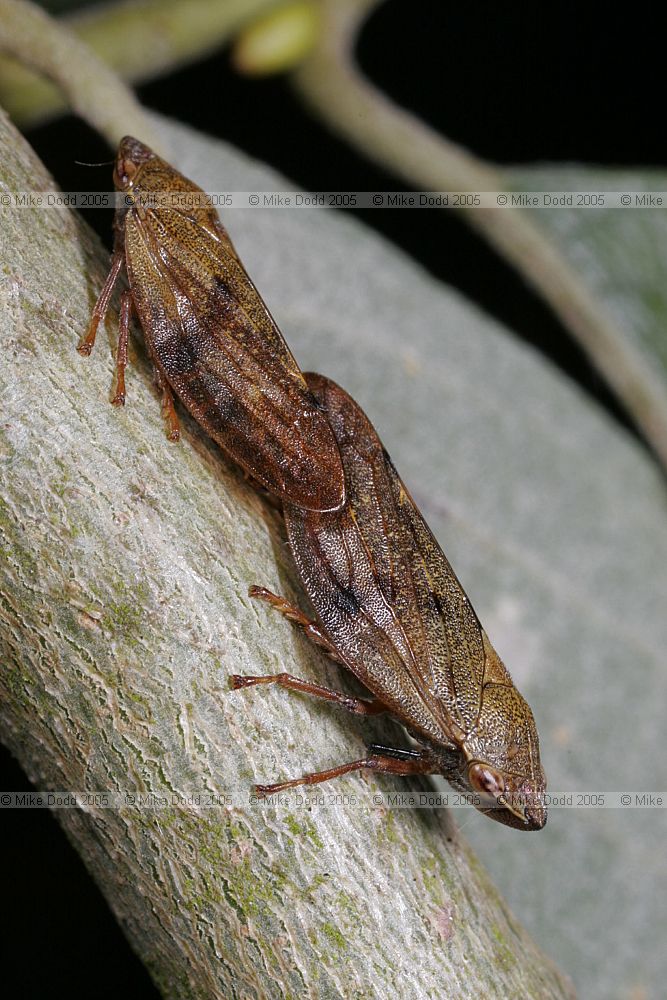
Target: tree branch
{"points": [[123, 609]]}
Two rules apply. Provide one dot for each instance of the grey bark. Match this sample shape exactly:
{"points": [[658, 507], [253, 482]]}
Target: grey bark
{"points": [[126, 563]]}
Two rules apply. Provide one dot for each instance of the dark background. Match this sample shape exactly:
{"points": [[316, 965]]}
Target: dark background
{"points": [[513, 83]]}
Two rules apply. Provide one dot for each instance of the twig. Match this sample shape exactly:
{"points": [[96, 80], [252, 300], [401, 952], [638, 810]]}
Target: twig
{"points": [[139, 39], [329, 81]]}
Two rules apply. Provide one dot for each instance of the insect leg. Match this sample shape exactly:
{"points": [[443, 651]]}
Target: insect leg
{"points": [[118, 398], [169, 414], [419, 764], [262, 490], [360, 706], [294, 614], [101, 306]]}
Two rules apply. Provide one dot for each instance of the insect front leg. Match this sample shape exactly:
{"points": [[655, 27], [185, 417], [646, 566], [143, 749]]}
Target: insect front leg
{"points": [[359, 706], [407, 762]]}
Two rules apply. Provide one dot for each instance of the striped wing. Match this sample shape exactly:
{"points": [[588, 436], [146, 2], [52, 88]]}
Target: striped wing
{"points": [[210, 334], [383, 590]]}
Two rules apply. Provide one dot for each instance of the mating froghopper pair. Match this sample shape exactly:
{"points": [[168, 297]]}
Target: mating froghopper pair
{"points": [[389, 606]]}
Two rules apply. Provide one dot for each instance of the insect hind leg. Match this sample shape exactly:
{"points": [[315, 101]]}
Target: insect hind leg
{"points": [[169, 414], [101, 306], [118, 398]]}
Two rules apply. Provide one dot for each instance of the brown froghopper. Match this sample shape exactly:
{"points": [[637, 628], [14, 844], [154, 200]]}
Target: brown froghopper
{"points": [[390, 608], [210, 336]]}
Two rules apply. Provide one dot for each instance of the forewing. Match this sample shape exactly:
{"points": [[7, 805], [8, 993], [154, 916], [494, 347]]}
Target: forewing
{"points": [[384, 591], [451, 633], [338, 576], [210, 333]]}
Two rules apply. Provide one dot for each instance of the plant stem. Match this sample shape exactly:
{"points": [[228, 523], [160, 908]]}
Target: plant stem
{"points": [[330, 82]]}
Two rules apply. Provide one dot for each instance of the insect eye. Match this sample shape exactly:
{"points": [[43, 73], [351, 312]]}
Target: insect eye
{"points": [[486, 780], [125, 171]]}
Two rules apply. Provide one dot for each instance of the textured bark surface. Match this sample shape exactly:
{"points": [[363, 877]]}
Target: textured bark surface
{"points": [[126, 563]]}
